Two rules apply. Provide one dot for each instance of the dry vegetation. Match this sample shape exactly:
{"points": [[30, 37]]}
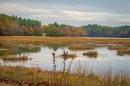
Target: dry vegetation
{"points": [[123, 52], [91, 54], [14, 58], [80, 47], [117, 47], [60, 40], [23, 76], [67, 56]]}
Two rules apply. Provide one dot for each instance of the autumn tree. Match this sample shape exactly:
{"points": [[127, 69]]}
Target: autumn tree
{"points": [[13, 25]]}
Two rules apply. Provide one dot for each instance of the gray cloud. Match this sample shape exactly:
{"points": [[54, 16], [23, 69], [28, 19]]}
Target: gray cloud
{"points": [[75, 12]]}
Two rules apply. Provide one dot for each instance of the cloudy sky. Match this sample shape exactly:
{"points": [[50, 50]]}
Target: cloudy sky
{"points": [[73, 12]]}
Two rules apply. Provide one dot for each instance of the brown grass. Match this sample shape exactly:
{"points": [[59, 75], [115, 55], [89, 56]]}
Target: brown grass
{"points": [[117, 47], [14, 58], [68, 56], [91, 54], [22, 76], [60, 40], [80, 47], [123, 52]]}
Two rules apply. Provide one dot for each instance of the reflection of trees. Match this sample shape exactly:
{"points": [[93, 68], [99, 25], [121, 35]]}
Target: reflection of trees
{"points": [[54, 46]]}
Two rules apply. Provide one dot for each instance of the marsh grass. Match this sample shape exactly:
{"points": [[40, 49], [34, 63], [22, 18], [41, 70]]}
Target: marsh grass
{"points": [[36, 77], [80, 47], [67, 56], [22, 76], [60, 40], [90, 54], [127, 44], [15, 58], [123, 52], [117, 47]]}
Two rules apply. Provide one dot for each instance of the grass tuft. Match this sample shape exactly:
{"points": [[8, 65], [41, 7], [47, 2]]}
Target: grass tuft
{"points": [[91, 54], [68, 56]]}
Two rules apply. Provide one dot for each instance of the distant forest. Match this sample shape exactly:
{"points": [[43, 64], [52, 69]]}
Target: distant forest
{"points": [[13, 25], [107, 31], [18, 26]]}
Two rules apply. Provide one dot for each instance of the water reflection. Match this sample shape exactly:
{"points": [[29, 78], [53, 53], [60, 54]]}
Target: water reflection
{"points": [[55, 47], [66, 56], [63, 59]]}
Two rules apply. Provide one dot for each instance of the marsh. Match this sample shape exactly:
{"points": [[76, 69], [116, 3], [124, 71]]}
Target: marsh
{"points": [[106, 60]]}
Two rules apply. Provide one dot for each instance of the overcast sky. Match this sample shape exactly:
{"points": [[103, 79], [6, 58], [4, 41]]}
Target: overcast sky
{"points": [[73, 12]]}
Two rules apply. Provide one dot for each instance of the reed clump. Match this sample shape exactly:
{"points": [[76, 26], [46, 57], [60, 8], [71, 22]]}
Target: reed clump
{"points": [[68, 56], [91, 54]]}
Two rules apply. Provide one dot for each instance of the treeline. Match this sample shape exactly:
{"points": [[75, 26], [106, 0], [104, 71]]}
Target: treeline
{"points": [[17, 26], [63, 30], [91, 30], [107, 31], [13, 25]]}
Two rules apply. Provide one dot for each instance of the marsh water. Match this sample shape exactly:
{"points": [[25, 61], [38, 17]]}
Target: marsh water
{"points": [[41, 56]]}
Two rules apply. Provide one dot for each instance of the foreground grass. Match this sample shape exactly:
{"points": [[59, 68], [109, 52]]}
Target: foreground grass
{"points": [[36, 77], [23, 76]]}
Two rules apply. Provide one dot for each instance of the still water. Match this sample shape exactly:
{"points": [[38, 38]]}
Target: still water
{"points": [[106, 61]]}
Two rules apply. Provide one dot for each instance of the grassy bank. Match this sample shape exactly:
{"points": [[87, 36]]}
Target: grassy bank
{"points": [[23, 76]]}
